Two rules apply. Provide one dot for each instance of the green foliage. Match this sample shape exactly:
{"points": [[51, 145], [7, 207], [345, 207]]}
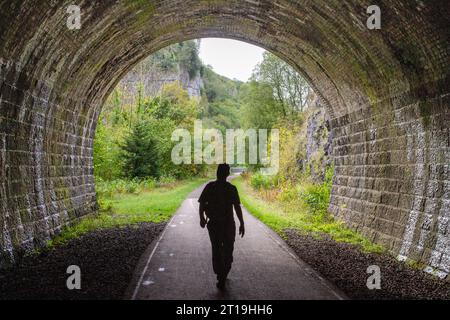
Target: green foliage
{"points": [[140, 156], [260, 181], [160, 202], [156, 203], [172, 109], [189, 58], [301, 206], [218, 88], [292, 148], [107, 189], [317, 196], [290, 89], [221, 107], [260, 110], [275, 94], [174, 104], [135, 141], [107, 152]]}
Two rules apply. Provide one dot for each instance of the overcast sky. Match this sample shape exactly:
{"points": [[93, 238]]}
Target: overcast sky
{"points": [[230, 58]]}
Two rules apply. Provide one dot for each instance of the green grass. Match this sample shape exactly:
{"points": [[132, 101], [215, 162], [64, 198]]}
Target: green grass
{"points": [[297, 215], [154, 205], [161, 202]]}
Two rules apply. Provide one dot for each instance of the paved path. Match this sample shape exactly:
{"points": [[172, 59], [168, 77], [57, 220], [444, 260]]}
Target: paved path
{"points": [[178, 266]]}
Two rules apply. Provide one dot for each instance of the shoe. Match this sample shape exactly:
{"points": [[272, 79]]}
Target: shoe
{"points": [[221, 281], [220, 284]]}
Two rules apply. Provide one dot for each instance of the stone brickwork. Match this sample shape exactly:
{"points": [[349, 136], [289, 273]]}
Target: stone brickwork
{"points": [[392, 177], [385, 90]]}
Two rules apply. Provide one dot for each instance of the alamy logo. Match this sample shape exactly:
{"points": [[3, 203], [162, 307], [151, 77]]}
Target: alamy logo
{"points": [[374, 280], [209, 146], [374, 20], [74, 280], [74, 18]]}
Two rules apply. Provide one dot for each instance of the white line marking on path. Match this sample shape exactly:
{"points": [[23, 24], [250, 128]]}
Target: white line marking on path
{"points": [[147, 283], [136, 290]]}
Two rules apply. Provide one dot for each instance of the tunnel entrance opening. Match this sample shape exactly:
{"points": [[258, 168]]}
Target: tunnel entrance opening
{"points": [[195, 95], [386, 91]]}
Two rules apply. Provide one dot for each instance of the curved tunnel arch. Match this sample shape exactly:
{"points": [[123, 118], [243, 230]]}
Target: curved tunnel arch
{"points": [[386, 91]]}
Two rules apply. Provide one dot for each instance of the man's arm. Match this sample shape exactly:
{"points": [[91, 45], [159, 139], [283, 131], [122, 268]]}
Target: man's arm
{"points": [[201, 212], [237, 208], [203, 199]]}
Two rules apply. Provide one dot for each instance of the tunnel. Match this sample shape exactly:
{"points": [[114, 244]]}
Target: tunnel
{"points": [[386, 91]]}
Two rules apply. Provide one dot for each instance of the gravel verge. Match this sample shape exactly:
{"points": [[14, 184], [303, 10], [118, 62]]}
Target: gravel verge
{"points": [[346, 266], [107, 259]]}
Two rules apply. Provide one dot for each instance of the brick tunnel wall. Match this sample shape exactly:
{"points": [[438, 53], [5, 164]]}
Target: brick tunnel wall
{"points": [[46, 166], [392, 176], [386, 90]]}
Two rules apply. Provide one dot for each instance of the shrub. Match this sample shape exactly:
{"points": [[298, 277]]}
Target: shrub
{"points": [[288, 192], [317, 197], [133, 186], [149, 183], [165, 180], [260, 181], [105, 205]]}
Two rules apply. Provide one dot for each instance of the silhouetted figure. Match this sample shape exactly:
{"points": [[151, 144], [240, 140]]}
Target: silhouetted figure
{"points": [[217, 201]]}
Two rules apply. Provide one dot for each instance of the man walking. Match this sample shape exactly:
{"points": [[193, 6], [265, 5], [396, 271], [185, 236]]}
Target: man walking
{"points": [[217, 201]]}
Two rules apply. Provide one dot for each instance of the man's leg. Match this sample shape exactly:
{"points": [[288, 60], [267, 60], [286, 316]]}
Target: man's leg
{"points": [[216, 246], [228, 247]]}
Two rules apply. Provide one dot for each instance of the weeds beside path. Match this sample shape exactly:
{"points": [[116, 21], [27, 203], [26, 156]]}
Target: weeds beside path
{"points": [[295, 213]]}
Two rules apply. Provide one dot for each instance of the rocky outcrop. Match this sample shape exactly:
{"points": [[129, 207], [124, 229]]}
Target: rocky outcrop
{"points": [[318, 143], [151, 81]]}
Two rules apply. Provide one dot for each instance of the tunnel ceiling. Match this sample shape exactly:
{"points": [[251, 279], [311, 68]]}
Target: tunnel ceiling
{"points": [[386, 90], [327, 41]]}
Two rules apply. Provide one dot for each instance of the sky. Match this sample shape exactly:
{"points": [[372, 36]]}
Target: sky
{"points": [[230, 58]]}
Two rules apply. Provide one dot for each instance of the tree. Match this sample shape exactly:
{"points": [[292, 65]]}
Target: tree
{"points": [[107, 164], [221, 105], [189, 57], [289, 87], [140, 154], [219, 88], [260, 109], [174, 103]]}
